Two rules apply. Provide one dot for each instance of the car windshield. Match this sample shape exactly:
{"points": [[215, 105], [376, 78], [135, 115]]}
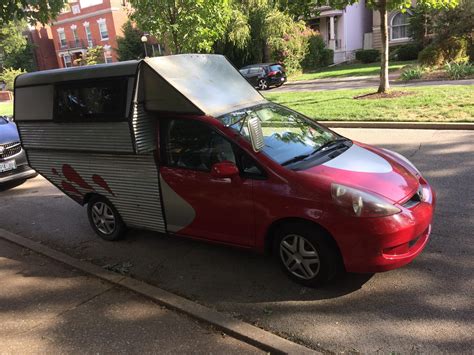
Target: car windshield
{"points": [[287, 134], [276, 67]]}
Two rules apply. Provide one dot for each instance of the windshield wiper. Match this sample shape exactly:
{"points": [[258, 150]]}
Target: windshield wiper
{"points": [[336, 141], [295, 159]]}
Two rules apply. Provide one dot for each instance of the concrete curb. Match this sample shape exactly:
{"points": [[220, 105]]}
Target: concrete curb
{"points": [[231, 326], [399, 125]]}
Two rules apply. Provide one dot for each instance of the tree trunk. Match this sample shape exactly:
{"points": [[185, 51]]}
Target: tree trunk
{"points": [[384, 84]]}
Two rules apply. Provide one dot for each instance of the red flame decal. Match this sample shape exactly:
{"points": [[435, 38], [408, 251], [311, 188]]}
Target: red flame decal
{"points": [[102, 183], [73, 176], [75, 193]]}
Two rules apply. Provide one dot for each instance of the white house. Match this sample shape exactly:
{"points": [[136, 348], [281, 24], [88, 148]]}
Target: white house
{"points": [[343, 30], [357, 27]]}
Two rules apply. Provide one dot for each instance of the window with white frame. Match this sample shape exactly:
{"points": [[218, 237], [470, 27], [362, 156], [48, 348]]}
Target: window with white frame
{"points": [[104, 34], [62, 38], [75, 36], [87, 29], [400, 26], [108, 54]]}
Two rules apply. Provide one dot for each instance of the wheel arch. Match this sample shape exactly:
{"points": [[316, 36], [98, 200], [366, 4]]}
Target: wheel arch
{"points": [[270, 235], [88, 196]]}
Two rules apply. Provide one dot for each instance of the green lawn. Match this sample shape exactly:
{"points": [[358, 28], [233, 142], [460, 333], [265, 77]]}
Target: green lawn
{"points": [[435, 104], [6, 109], [345, 70]]}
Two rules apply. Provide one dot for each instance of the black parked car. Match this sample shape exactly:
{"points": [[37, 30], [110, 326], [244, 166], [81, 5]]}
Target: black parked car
{"points": [[13, 163], [264, 75]]}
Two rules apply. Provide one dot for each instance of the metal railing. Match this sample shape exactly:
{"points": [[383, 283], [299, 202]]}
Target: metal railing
{"points": [[77, 44]]}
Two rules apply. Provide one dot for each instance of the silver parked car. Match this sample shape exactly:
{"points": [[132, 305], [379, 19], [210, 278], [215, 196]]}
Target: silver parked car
{"points": [[13, 162]]}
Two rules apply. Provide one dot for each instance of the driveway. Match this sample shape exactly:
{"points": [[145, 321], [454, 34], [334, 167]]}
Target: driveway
{"points": [[359, 82], [426, 306]]}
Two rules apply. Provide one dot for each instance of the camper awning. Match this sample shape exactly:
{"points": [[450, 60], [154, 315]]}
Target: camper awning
{"points": [[209, 81]]}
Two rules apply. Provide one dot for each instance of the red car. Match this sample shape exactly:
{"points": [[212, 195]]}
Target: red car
{"points": [[207, 157]]}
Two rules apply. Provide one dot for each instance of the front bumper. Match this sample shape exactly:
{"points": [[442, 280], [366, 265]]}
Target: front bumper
{"points": [[386, 243], [22, 171]]}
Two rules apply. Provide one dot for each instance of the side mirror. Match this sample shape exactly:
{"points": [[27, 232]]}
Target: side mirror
{"points": [[224, 169], [256, 135]]}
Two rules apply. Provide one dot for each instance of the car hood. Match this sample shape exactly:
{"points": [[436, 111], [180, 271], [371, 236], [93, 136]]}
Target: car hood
{"points": [[369, 169], [8, 133]]}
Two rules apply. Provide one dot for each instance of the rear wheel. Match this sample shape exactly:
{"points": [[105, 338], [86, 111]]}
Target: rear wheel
{"points": [[305, 254], [279, 84], [262, 84], [105, 219]]}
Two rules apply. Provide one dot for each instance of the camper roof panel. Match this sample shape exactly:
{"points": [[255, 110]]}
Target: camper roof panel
{"points": [[128, 68], [209, 81]]}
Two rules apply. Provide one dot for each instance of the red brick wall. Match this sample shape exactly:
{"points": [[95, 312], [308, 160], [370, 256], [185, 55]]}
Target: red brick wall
{"points": [[110, 10], [45, 54]]}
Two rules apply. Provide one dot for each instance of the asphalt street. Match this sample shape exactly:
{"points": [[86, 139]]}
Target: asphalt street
{"points": [[426, 306], [360, 82]]}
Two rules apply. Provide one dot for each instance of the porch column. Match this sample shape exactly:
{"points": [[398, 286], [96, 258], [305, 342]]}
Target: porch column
{"points": [[332, 34]]}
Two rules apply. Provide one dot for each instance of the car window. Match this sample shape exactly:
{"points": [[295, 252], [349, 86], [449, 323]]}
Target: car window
{"points": [[276, 67], [91, 100], [244, 71], [194, 145], [250, 168], [255, 70]]}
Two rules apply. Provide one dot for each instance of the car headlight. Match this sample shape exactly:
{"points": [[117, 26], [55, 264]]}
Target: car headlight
{"points": [[361, 204], [404, 159]]}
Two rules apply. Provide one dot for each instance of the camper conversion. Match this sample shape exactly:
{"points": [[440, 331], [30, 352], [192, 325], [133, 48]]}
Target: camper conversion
{"points": [[184, 145]]}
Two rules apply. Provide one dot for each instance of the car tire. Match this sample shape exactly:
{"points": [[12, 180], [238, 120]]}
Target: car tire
{"points": [[306, 254], [105, 219], [263, 85], [278, 85]]}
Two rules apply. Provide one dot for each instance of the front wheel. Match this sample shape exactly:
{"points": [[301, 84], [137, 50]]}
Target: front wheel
{"points": [[105, 219], [262, 84], [305, 254]]}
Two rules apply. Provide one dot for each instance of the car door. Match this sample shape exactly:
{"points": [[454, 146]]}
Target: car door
{"points": [[254, 75], [197, 204]]}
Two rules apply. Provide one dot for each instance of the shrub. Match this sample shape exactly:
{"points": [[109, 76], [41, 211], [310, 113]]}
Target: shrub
{"points": [[458, 71], [287, 40], [412, 73], [368, 55], [431, 55], [8, 75], [318, 55], [453, 49], [407, 52]]}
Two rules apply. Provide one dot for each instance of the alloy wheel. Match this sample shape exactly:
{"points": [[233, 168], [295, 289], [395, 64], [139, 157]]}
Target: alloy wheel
{"points": [[103, 217], [262, 85], [299, 256]]}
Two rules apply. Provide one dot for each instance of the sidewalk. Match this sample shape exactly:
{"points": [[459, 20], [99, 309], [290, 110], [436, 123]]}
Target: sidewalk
{"points": [[47, 307]]}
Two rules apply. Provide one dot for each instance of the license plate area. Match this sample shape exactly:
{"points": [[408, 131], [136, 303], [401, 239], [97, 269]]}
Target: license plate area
{"points": [[7, 166]]}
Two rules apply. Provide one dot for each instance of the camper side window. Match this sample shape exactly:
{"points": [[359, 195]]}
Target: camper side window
{"points": [[91, 100]]}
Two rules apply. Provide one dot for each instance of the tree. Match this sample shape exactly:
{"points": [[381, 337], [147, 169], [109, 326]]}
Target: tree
{"points": [[184, 25], [8, 76], [15, 51], [94, 55], [130, 46], [383, 7], [30, 10]]}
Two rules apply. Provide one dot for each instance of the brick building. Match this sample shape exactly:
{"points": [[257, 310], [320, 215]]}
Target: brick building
{"points": [[81, 24]]}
